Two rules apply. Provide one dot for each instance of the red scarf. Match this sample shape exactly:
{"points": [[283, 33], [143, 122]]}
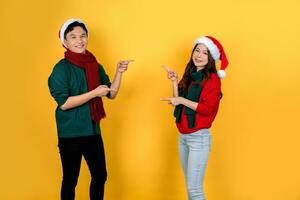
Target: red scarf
{"points": [[88, 62]]}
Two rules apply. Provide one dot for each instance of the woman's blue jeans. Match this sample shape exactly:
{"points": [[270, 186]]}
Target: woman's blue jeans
{"points": [[194, 150]]}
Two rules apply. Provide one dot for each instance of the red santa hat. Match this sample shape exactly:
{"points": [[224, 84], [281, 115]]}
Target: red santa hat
{"points": [[65, 26], [217, 52]]}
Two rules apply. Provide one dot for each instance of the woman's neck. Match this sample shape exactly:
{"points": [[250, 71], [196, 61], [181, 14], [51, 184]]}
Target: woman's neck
{"points": [[200, 68]]}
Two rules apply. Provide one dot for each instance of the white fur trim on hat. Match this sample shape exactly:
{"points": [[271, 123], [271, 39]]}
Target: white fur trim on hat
{"points": [[65, 26], [221, 74], [213, 49]]}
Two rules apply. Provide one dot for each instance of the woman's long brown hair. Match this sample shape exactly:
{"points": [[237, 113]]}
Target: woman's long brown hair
{"points": [[191, 67]]}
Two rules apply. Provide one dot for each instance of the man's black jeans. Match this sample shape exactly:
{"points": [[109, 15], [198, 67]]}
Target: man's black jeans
{"points": [[71, 152]]}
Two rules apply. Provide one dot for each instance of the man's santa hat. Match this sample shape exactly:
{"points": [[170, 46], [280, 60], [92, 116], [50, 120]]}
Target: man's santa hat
{"points": [[65, 26]]}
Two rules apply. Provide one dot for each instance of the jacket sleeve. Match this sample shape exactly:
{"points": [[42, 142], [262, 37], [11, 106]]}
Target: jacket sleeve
{"points": [[210, 96], [58, 84]]}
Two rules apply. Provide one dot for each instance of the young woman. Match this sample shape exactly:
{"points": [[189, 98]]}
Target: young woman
{"points": [[196, 98], [77, 83]]}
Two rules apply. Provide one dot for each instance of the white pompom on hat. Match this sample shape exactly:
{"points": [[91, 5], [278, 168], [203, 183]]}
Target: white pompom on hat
{"points": [[65, 26], [216, 50]]}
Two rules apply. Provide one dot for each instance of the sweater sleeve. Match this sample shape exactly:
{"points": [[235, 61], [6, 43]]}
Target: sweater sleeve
{"points": [[210, 97], [104, 78], [58, 84]]}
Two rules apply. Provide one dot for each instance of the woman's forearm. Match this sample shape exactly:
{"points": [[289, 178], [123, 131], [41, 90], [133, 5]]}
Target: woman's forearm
{"points": [[175, 88], [188, 103]]}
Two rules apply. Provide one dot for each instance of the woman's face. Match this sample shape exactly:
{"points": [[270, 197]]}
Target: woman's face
{"points": [[77, 40], [200, 56]]}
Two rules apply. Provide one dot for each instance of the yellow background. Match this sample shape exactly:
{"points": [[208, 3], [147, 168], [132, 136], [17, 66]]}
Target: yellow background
{"points": [[256, 140]]}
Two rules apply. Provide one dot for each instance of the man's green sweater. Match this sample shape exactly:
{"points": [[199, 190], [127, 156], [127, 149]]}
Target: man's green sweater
{"points": [[68, 80]]}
